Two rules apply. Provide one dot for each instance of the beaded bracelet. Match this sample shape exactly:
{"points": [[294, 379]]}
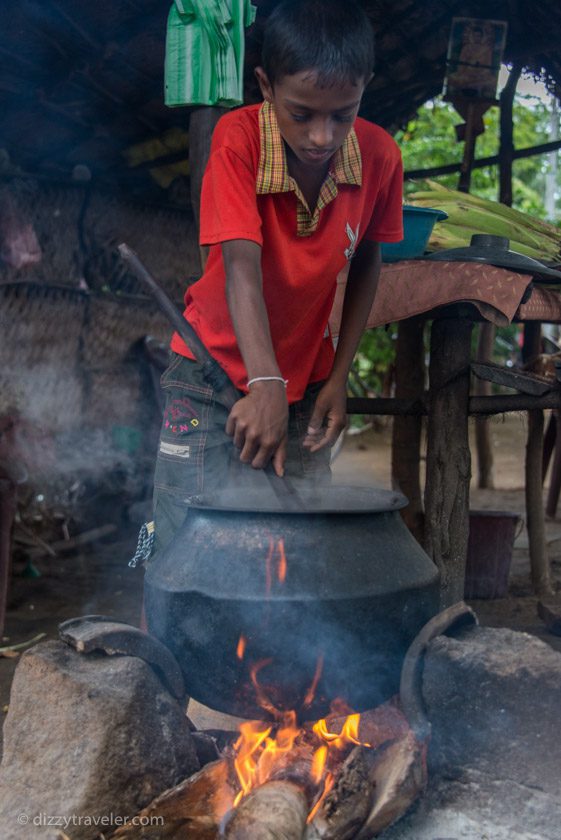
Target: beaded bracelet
{"points": [[267, 379]]}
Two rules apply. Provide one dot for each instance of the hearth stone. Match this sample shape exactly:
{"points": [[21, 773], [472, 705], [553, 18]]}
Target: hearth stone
{"points": [[87, 735], [492, 696]]}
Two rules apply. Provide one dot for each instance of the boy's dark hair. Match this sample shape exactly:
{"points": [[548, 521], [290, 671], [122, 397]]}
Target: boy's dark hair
{"points": [[333, 37]]}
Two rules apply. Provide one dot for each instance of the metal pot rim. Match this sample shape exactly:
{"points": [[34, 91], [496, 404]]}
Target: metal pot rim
{"points": [[330, 499]]}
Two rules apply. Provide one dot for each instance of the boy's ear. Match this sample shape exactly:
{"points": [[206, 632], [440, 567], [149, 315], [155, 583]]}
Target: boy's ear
{"points": [[264, 84]]}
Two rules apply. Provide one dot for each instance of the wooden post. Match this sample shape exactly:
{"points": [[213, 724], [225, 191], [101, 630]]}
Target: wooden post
{"points": [[539, 562], [487, 331], [201, 126], [555, 479], [8, 506], [406, 431], [448, 455], [469, 149], [506, 148], [482, 388]]}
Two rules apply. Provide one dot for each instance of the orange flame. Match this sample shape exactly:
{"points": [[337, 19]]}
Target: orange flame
{"points": [[318, 763], [240, 650], [311, 692], [329, 780], [268, 571], [282, 562], [341, 740], [282, 566], [262, 698], [258, 755]]}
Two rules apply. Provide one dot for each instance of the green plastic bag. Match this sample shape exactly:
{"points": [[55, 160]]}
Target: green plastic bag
{"points": [[205, 52]]}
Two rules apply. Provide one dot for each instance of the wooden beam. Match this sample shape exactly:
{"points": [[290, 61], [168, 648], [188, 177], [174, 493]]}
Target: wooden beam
{"points": [[445, 169], [493, 160], [498, 404]]}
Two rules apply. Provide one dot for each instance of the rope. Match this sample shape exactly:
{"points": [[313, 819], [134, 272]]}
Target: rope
{"points": [[144, 546]]}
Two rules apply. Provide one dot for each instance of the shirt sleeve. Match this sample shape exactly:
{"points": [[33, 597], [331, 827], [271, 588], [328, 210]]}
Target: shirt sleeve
{"points": [[386, 222], [229, 200]]}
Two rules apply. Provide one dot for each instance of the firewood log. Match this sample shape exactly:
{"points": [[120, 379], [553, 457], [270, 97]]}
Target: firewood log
{"points": [[192, 809], [273, 811], [347, 805], [398, 775]]}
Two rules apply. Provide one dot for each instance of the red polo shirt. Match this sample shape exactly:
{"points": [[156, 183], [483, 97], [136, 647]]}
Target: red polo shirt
{"points": [[248, 194]]}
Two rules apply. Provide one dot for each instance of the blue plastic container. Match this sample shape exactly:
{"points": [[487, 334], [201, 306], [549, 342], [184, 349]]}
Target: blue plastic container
{"points": [[418, 223]]}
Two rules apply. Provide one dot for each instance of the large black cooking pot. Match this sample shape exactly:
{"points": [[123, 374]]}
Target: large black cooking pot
{"points": [[357, 590]]}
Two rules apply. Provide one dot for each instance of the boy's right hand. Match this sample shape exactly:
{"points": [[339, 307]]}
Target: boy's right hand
{"points": [[259, 425]]}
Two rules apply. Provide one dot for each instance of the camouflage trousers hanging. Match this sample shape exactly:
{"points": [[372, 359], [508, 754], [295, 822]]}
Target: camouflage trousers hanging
{"points": [[196, 456]]}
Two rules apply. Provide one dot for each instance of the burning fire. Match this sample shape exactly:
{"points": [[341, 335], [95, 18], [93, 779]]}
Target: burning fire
{"points": [[263, 751], [260, 755]]}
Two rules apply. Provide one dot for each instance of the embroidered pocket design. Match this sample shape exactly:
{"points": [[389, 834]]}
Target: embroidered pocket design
{"points": [[178, 450], [180, 416]]}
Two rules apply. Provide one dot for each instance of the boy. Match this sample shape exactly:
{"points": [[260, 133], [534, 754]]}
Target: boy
{"points": [[295, 188]]}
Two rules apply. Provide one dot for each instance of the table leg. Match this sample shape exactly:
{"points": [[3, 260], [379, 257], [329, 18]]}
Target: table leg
{"points": [[448, 455], [406, 431], [555, 478], [539, 562]]}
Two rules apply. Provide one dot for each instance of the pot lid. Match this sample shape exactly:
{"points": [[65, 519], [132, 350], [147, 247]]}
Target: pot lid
{"points": [[305, 499], [494, 250]]}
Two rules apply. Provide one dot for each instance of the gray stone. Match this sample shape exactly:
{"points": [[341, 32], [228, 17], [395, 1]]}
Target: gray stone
{"points": [[480, 807], [493, 697], [86, 737], [495, 756]]}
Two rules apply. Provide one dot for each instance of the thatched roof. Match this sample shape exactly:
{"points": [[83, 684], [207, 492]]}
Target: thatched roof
{"points": [[82, 82]]}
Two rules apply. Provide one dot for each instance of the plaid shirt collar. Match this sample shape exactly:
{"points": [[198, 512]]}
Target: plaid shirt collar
{"points": [[273, 175]]}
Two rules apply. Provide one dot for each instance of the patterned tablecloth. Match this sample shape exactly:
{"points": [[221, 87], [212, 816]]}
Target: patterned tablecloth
{"points": [[413, 287]]}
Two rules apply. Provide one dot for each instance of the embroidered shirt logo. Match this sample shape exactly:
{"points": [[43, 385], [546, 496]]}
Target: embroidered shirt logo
{"points": [[353, 240]]}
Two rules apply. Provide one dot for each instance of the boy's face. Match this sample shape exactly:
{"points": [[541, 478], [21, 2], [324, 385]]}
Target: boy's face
{"points": [[313, 121]]}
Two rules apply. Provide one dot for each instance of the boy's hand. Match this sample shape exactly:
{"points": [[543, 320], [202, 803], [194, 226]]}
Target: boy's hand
{"points": [[329, 417], [258, 423]]}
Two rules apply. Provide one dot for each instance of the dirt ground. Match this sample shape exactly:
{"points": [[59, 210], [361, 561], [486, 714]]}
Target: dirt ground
{"points": [[97, 579]]}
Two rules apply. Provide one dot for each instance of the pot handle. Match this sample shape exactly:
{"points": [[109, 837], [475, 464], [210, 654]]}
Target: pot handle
{"points": [[410, 694]]}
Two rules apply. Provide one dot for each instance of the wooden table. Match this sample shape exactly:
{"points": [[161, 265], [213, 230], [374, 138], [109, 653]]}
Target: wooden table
{"points": [[444, 526]]}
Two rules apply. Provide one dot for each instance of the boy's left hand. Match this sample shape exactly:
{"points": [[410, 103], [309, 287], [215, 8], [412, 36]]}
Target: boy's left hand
{"points": [[329, 417]]}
